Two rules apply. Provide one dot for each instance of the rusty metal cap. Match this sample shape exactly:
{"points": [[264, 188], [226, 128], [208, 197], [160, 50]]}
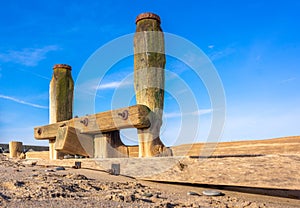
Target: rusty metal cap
{"points": [[147, 15], [64, 66]]}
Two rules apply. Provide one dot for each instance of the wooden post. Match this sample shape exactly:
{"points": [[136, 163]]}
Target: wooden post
{"points": [[15, 149], [149, 78], [61, 100]]}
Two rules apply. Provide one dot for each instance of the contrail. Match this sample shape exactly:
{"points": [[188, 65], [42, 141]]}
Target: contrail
{"points": [[23, 102]]}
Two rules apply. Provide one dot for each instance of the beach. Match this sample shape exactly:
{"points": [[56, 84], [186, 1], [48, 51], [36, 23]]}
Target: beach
{"points": [[30, 183]]}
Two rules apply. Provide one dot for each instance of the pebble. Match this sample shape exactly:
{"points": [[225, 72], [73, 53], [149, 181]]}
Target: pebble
{"points": [[60, 168], [49, 170], [129, 198], [33, 163], [68, 156], [148, 194], [212, 193], [192, 193]]}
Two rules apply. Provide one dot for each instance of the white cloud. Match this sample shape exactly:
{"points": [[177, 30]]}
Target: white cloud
{"points": [[180, 114], [216, 54], [291, 79], [113, 85], [27, 56], [203, 111], [22, 102]]}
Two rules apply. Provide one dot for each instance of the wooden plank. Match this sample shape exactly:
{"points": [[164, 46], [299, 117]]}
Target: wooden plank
{"points": [[38, 155], [137, 117], [70, 141], [270, 171], [133, 151]]}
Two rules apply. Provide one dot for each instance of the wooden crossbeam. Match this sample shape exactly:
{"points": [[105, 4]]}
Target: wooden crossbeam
{"points": [[130, 117]]}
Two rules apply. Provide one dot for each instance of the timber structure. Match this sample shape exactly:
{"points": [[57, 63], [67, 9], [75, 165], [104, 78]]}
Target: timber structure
{"points": [[98, 135]]}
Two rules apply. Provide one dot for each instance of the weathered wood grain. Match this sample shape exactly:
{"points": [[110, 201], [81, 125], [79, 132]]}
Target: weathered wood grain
{"points": [[38, 155], [60, 100], [71, 141], [99, 123], [109, 145], [149, 79], [61, 93], [15, 149]]}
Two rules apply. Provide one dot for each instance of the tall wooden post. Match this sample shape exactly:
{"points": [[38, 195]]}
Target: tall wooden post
{"points": [[149, 78], [61, 100]]}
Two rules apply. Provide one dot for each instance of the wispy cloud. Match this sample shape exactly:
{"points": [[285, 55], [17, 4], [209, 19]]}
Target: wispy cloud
{"points": [[178, 67], [216, 53], [22, 102], [113, 85], [27, 56], [291, 79], [180, 114]]}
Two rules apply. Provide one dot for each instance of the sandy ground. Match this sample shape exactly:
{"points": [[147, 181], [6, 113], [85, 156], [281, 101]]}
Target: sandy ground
{"points": [[28, 184]]}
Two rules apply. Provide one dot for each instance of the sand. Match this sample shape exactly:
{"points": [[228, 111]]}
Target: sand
{"points": [[25, 183]]}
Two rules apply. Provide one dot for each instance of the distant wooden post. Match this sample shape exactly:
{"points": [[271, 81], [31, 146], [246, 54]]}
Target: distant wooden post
{"points": [[15, 149], [61, 100], [149, 78]]}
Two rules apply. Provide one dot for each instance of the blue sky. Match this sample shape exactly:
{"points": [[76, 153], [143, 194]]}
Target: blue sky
{"points": [[254, 46]]}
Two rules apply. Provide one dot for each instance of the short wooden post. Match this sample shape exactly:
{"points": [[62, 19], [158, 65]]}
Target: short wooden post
{"points": [[61, 100], [149, 78], [15, 149]]}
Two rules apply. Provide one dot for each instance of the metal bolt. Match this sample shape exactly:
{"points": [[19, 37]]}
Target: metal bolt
{"points": [[124, 114], [85, 121], [39, 131]]}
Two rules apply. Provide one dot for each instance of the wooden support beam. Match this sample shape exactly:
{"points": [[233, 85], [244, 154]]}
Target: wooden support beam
{"points": [[71, 141], [129, 117], [109, 145]]}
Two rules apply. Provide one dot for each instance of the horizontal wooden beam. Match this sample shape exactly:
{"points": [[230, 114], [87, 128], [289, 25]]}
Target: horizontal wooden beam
{"points": [[130, 117]]}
